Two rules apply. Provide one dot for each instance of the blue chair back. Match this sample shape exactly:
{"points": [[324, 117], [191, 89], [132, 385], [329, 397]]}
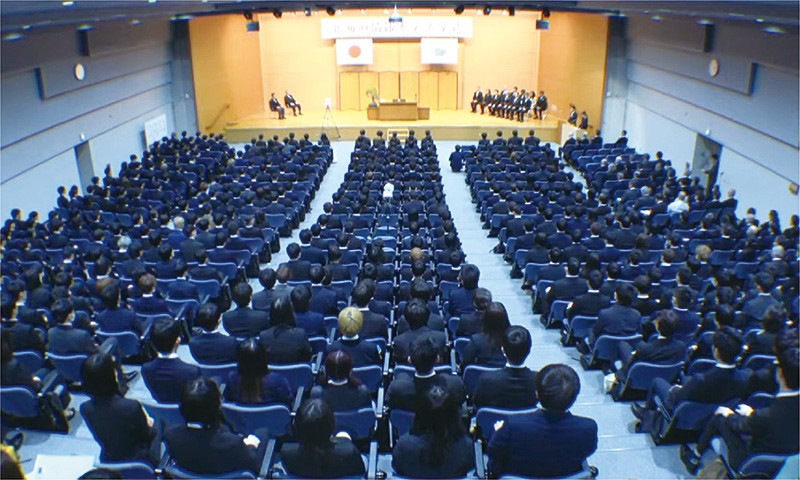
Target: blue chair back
{"points": [[642, 374], [209, 288], [131, 470], [558, 311], [69, 366], [757, 362], [472, 374], [763, 465], [460, 346], [580, 326], [221, 371], [169, 413], [790, 469], [357, 423], [694, 416], [30, 358], [371, 376], [174, 471], [605, 349], [19, 401], [298, 374], [401, 420], [129, 342], [246, 419], [486, 417]]}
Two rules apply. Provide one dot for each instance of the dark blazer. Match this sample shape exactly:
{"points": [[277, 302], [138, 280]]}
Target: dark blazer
{"points": [[567, 288], [375, 325], [16, 374], [119, 320], [688, 322], [343, 397], [210, 348], [589, 304], [323, 301], [469, 324], [286, 345], [166, 377], [66, 339], [24, 336], [662, 351], [344, 460], [716, 385], [402, 342], [773, 429], [363, 352], [461, 302], [510, 388], [245, 322], [150, 305], [263, 300], [312, 322], [406, 391], [616, 320], [119, 425], [274, 389], [210, 451], [411, 457], [300, 269], [480, 352], [544, 444]]}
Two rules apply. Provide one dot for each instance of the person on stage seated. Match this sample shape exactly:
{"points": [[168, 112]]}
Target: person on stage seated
{"points": [[477, 99], [290, 102], [540, 107], [275, 106]]}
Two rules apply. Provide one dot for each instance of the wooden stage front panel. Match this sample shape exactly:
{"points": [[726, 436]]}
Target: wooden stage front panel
{"points": [[444, 125]]}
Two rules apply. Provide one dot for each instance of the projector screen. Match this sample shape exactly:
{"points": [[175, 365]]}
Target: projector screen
{"points": [[438, 51]]}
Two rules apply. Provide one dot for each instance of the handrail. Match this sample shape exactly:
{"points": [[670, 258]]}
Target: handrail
{"points": [[219, 115]]}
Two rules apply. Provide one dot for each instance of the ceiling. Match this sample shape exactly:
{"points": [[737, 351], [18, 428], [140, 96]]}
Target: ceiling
{"points": [[31, 16]]}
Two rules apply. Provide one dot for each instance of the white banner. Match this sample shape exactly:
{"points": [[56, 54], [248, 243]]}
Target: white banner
{"points": [[410, 27], [438, 51], [354, 51], [155, 129]]}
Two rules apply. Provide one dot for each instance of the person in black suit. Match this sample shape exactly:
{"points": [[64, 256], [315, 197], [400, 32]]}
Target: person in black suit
{"points": [[405, 392], [754, 309], [120, 425], [204, 445], [746, 431], [262, 300], [485, 348], [720, 384], [471, 323], [644, 303], [662, 350], [244, 321], [341, 390], [310, 321], [762, 342], [540, 107], [513, 387], [275, 106], [567, 288], [285, 342], [203, 271], [309, 252], [417, 315], [477, 99], [622, 141], [290, 102], [115, 317], [584, 121], [210, 346], [150, 303], [619, 319], [324, 299], [460, 301], [590, 303], [374, 324], [320, 454], [24, 335], [437, 445], [362, 352], [65, 338], [551, 442], [252, 383], [299, 268], [166, 375]]}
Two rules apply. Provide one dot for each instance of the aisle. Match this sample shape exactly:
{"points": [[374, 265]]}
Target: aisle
{"points": [[621, 453]]}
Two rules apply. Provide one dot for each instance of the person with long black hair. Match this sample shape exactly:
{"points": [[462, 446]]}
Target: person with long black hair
{"points": [[341, 390], [485, 348], [253, 383]]}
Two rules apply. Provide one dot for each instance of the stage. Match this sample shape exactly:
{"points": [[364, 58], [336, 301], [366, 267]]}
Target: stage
{"points": [[443, 124]]}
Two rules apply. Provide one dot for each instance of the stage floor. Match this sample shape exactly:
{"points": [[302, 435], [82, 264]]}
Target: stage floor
{"points": [[444, 125]]}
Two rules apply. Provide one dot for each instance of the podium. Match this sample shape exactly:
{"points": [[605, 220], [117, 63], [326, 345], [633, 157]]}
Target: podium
{"points": [[398, 111]]}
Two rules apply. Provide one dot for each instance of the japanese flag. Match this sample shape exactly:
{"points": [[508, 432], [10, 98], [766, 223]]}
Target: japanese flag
{"points": [[354, 51]]}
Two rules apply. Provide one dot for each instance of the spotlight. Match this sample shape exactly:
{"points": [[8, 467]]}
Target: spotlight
{"points": [[512, 11], [248, 15], [459, 9], [487, 10], [330, 10], [546, 13], [277, 13], [307, 11]]}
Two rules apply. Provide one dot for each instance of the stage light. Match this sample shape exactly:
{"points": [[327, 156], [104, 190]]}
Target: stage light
{"points": [[307, 11], [330, 10], [248, 15], [512, 11], [459, 9], [487, 10], [277, 13], [546, 13]]}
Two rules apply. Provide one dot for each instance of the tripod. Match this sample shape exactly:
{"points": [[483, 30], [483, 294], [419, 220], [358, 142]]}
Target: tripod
{"points": [[327, 121]]}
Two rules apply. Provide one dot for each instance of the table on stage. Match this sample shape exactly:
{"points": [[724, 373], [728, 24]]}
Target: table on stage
{"points": [[395, 111]]}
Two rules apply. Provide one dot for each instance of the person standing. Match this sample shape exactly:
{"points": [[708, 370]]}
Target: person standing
{"points": [[584, 123], [711, 173]]}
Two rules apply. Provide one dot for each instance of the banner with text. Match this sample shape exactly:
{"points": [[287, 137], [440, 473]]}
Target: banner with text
{"points": [[438, 51], [410, 27], [354, 51]]}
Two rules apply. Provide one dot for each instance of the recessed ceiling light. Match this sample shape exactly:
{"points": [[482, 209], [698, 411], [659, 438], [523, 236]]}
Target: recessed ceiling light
{"points": [[85, 27], [136, 21], [26, 27], [705, 22], [774, 30], [12, 37], [656, 18], [759, 20], [68, 3]]}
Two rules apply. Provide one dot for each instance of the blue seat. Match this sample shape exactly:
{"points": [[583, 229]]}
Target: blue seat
{"points": [[460, 346], [176, 472], [757, 362], [790, 469], [298, 374], [20, 402], [209, 288], [472, 374], [685, 422], [221, 371], [227, 269], [642, 374], [558, 312], [759, 465], [346, 286], [129, 343], [486, 417], [131, 470], [401, 421], [445, 287], [246, 419], [606, 349], [22, 407], [743, 270], [169, 413], [358, 424], [30, 358], [69, 366], [578, 328], [371, 376]]}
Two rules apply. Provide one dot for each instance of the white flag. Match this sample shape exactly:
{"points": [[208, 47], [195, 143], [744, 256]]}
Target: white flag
{"points": [[439, 51], [354, 51]]}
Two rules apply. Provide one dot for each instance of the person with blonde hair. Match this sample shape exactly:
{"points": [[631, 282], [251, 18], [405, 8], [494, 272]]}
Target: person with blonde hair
{"points": [[361, 351]]}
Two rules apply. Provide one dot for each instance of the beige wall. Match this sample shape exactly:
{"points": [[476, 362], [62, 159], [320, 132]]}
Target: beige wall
{"points": [[572, 64], [227, 71]]}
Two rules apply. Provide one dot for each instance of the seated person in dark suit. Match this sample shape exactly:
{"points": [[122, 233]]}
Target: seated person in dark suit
{"points": [[485, 348], [210, 346], [182, 288], [290, 102], [299, 268], [24, 335], [423, 291], [375, 325], [566, 288], [252, 383], [762, 342], [320, 454], [619, 319], [275, 106], [323, 298], [362, 352], [285, 342], [166, 375], [205, 446], [471, 323], [405, 392], [754, 309], [203, 271], [746, 431], [460, 301], [341, 390], [120, 425], [244, 321], [590, 303], [720, 384], [644, 303], [662, 350], [312, 322], [551, 442], [65, 338], [263, 300], [513, 387], [437, 445], [115, 317], [150, 303], [417, 315]]}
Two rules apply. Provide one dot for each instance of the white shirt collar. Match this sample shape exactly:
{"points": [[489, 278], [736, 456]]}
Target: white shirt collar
{"points": [[353, 338], [725, 365], [790, 393], [425, 375], [171, 355], [511, 365], [338, 383]]}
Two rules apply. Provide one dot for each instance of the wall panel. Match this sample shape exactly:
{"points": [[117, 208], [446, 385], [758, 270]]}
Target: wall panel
{"points": [[349, 93], [389, 85], [367, 80], [448, 91], [409, 85], [429, 90]]}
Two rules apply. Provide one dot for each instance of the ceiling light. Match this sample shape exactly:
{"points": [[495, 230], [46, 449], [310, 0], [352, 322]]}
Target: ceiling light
{"points": [[136, 21], [277, 13], [774, 30], [68, 3], [459, 9], [759, 20], [512, 11], [487, 10], [656, 18], [705, 21], [26, 27], [13, 37], [330, 10], [307, 11], [85, 27]]}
